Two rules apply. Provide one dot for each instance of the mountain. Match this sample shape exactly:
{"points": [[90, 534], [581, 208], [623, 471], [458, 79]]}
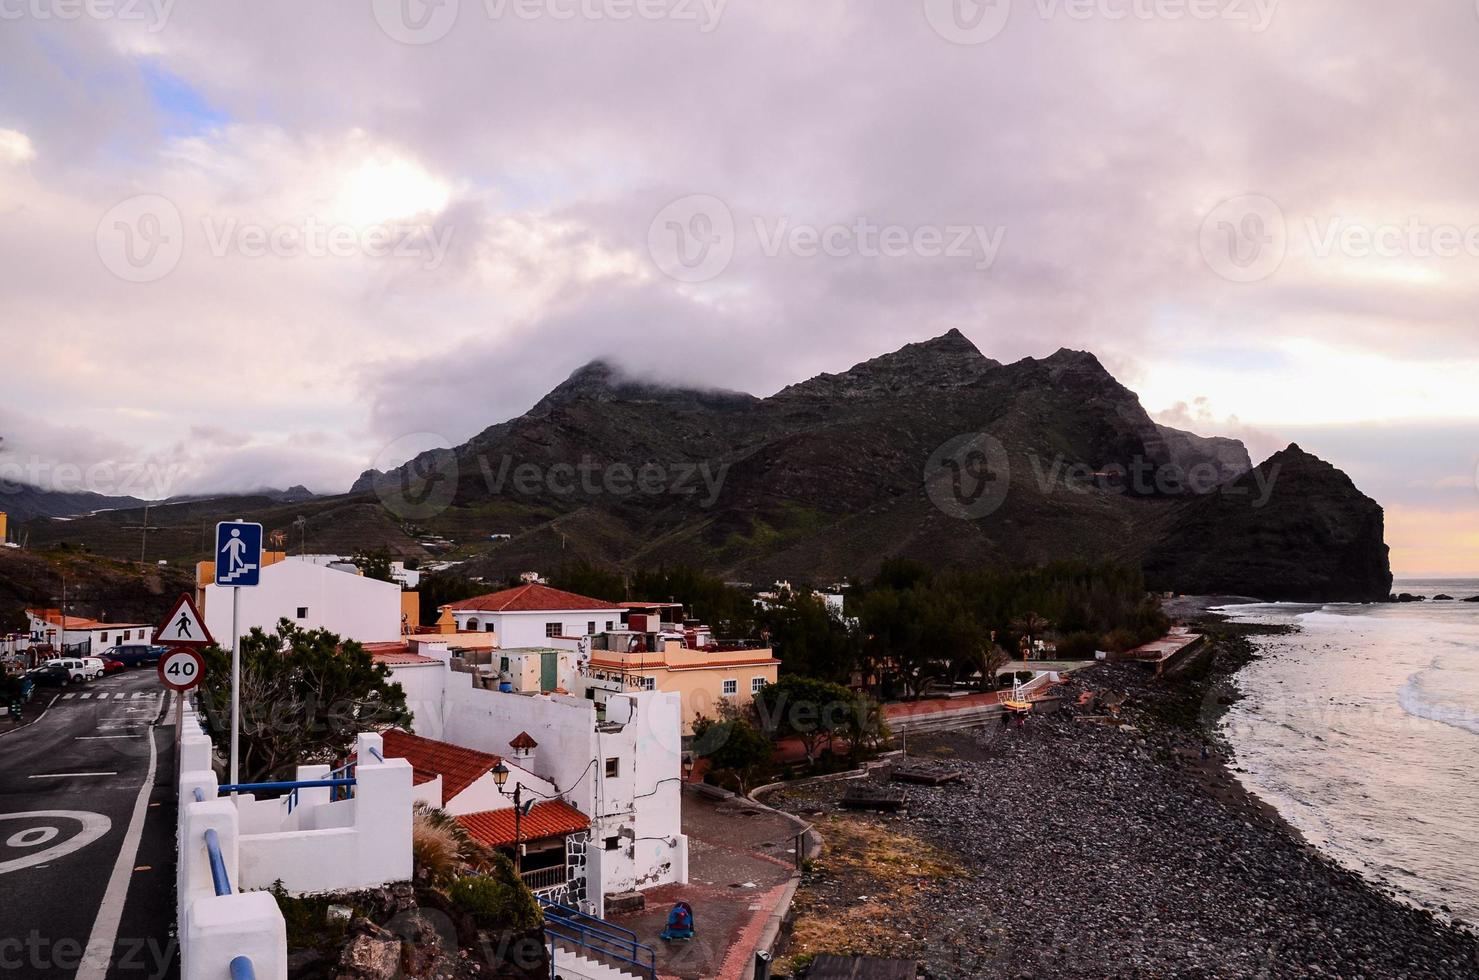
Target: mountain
{"points": [[1296, 528], [934, 452], [23, 502]]}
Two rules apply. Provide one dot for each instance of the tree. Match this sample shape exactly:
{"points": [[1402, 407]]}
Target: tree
{"points": [[374, 564], [809, 639], [804, 708], [1030, 625], [305, 695], [585, 578], [735, 746]]}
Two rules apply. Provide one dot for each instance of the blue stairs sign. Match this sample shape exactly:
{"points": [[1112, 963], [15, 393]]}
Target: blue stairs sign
{"points": [[238, 554]]}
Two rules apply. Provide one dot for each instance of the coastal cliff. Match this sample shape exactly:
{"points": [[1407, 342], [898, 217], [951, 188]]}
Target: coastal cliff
{"points": [[1295, 528]]}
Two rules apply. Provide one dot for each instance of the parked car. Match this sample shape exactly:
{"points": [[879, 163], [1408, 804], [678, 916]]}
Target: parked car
{"points": [[78, 670], [113, 666], [53, 673], [95, 666], [134, 654]]}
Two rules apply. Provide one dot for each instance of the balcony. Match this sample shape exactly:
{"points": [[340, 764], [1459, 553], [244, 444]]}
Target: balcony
{"points": [[545, 879]]}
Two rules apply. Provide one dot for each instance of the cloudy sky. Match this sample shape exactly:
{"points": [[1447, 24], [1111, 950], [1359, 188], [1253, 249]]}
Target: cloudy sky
{"points": [[275, 243]]}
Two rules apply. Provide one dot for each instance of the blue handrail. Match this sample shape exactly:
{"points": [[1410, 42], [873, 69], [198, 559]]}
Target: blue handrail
{"points": [[282, 786], [199, 795], [641, 957], [376, 753], [242, 969], [575, 915], [218, 864]]}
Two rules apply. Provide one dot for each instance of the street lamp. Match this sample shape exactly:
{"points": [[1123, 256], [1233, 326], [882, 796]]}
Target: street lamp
{"points": [[688, 768], [500, 777]]}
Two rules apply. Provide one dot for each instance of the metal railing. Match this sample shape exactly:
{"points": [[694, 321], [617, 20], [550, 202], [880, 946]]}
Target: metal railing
{"points": [[595, 936], [541, 879], [242, 969], [218, 863]]}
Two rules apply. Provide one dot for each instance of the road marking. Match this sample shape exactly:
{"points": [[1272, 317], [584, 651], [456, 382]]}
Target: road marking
{"points": [[94, 825], [68, 697], [110, 912], [69, 775], [21, 728]]}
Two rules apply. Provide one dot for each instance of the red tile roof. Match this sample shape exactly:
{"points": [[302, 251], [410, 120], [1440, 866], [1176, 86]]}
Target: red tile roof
{"points": [[523, 740], [495, 828], [459, 767], [53, 617], [532, 598], [397, 654]]}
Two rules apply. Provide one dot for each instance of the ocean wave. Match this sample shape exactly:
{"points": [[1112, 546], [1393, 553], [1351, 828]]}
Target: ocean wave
{"points": [[1415, 701]]}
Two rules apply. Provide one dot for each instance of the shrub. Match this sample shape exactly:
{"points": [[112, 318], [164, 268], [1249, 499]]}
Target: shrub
{"points": [[440, 846], [498, 899], [1120, 640], [1077, 646]]}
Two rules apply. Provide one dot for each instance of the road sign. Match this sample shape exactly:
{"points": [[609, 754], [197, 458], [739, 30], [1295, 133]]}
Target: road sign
{"points": [[184, 626], [181, 669], [238, 554]]}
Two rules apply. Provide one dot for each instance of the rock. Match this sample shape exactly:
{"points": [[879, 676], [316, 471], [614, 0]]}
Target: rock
{"points": [[1440, 597], [1472, 598], [371, 958]]}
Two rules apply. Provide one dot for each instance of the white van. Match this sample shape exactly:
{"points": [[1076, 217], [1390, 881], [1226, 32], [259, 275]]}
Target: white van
{"points": [[86, 669]]}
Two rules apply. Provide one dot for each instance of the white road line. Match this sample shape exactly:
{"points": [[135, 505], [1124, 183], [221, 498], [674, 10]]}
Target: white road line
{"points": [[68, 697], [110, 912], [69, 775]]}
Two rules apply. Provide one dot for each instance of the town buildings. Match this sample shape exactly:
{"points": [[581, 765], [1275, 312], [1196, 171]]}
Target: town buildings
{"points": [[78, 636], [533, 614]]}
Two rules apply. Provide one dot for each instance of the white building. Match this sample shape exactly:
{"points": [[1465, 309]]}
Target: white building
{"points": [[620, 767], [310, 596], [532, 614], [80, 636], [409, 578]]}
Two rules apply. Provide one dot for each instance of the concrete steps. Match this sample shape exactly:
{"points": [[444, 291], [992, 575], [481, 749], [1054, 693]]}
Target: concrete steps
{"points": [[572, 963]]}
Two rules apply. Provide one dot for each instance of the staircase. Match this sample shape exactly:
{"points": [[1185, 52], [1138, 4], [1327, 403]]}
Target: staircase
{"points": [[584, 947]]}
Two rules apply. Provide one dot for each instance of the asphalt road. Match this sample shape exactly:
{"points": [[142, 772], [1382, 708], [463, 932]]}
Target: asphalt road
{"points": [[87, 836]]}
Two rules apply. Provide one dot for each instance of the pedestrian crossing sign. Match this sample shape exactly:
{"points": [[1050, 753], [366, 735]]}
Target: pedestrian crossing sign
{"points": [[184, 626]]}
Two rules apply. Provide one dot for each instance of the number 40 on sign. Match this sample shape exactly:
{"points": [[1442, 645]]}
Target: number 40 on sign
{"points": [[181, 669]]}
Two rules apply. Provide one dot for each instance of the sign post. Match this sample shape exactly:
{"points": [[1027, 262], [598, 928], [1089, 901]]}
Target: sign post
{"points": [[182, 631], [238, 566]]}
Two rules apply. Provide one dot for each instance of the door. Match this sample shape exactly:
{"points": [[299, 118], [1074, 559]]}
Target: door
{"points": [[549, 670]]}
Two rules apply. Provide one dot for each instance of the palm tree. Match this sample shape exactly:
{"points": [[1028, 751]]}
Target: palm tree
{"points": [[1030, 625]]}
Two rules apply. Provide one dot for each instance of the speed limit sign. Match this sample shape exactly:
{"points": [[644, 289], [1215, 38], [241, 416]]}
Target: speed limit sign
{"points": [[181, 669]]}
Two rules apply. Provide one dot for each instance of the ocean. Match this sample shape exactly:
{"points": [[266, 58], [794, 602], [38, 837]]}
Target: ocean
{"points": [[1362, 728]]}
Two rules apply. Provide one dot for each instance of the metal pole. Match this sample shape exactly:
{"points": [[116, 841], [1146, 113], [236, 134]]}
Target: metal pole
{"points": [[235, 682], [518, 827]]}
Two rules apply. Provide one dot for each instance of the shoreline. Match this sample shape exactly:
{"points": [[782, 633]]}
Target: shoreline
{"points": [[1083, 849]]}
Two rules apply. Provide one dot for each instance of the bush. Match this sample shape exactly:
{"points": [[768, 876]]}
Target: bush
{"points": [[1120, 640], [1077, 646], [497, 900], [441, 847]]}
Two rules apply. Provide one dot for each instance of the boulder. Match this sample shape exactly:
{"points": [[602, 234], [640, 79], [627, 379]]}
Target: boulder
{"points": [[370, 957], [1440, 597]]}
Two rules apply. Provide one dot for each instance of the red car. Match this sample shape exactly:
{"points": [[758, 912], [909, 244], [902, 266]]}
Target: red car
{"points": [[112, 666]]}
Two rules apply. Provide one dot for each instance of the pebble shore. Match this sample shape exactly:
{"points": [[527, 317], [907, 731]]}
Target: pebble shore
{"points": [[1090, 850]]}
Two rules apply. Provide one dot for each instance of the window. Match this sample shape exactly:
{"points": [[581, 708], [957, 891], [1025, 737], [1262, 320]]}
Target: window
{"points": [[302, 612], [503, 663], [105, 638], [612, 843], [590, 628], [128, 634], [472, 623], [487, 627], [649, 683], [731, 688], [756, 683], [610, 625], [552, 629], [613, 768]]}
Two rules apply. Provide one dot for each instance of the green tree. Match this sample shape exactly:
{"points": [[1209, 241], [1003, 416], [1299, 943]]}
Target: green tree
{"points": [[809, 710], [735, 747], [809, 639], [585, 578], [442, 588], [305, 695], [374, 564]]}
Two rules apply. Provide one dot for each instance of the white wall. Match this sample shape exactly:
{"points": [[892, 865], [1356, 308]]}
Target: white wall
{"points": [[527, 629], [355, 607]]}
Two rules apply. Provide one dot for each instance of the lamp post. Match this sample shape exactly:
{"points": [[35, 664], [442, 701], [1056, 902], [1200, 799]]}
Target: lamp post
{"points": [[500, 776], [688, 768]]}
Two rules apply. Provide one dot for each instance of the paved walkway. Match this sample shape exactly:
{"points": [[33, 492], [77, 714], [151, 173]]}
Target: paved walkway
{"points": [[739, 866]]}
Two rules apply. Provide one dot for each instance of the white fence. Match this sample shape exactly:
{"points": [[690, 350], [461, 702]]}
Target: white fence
{"points": [[308, 841]]}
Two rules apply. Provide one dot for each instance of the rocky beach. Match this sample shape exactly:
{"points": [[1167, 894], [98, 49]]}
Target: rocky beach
{"points": [[1083, 849]]}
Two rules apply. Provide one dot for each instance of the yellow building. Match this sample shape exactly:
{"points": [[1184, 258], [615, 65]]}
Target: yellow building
{"points": [[708, 675]]}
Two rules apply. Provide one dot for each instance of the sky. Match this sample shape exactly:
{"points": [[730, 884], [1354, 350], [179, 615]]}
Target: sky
{"points": [[279, 243]]}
